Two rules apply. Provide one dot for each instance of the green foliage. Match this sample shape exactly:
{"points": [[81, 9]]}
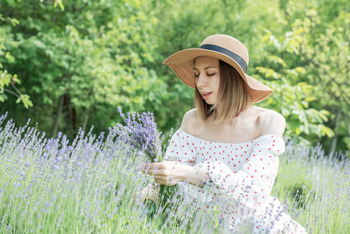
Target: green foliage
{"points": [[324, 54], [80, 60], [6, 79], [292, 97], [94, 59], [58, 3]]}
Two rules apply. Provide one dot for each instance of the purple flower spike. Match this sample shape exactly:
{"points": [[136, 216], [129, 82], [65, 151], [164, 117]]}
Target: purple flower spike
{"points": [[142, 134]]}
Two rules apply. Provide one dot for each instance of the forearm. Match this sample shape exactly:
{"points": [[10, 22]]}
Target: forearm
{"points": [[194, 176], [170, 173]]}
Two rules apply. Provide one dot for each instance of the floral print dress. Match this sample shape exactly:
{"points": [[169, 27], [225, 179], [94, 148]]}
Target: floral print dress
{"points": [[241, 178]]}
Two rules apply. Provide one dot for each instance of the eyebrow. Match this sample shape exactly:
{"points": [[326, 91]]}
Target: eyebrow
{"points": [[205, 68]]}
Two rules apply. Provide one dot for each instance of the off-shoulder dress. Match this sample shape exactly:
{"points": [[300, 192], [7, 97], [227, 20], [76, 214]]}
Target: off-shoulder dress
{"points": [[241, 179]]}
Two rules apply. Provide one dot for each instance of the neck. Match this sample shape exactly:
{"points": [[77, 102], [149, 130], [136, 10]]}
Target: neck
{"points": [[219, 110]]}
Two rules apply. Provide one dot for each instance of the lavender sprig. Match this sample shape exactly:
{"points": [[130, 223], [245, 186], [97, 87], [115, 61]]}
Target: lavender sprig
{"points": [[141, 132]]}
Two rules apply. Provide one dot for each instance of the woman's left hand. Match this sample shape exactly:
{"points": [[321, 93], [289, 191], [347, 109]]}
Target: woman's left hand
{"points": [[166, 172]]}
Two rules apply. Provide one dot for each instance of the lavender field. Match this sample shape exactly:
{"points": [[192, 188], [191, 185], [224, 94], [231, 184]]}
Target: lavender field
{"points": [[51, 185]]}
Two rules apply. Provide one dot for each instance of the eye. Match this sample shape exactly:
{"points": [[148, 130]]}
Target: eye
{"points": [[211, 74], [196, 75]]}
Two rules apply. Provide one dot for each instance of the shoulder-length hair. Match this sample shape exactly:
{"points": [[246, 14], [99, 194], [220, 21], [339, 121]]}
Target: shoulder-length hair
{"points": [[233, 96]]}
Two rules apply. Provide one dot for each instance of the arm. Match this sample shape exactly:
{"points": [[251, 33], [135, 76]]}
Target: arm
{"points": [[196, 176], [170, 173], [180, 158]]}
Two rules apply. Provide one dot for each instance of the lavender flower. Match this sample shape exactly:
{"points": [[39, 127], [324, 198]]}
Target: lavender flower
{"points": [[87, 184], [141, 132]]}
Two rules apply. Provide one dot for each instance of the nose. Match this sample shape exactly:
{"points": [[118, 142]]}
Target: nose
{"points": [[201, 80]]}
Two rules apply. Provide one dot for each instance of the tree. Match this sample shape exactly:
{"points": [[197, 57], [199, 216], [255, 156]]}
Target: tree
{"points": [[82, 59], [292, 95], [92, 55], [6, 79]]}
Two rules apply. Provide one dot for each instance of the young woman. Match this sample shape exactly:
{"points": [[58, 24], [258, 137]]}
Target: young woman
{"points": [[227, 143]]}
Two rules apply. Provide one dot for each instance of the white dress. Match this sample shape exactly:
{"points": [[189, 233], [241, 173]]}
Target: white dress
{"points": [[241, 179]]}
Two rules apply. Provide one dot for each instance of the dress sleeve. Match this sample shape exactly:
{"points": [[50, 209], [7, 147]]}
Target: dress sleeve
{"points": [[251, 185], [181, 149]]}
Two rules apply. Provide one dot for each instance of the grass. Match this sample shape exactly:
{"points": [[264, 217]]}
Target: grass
{"points": [[53, 186], [318, 189]]}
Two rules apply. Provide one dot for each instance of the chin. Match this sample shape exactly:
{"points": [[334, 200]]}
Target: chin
{"points": [[209, 102]]}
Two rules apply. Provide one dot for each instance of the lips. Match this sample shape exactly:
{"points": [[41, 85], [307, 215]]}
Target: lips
{"points": [[206, 95]]}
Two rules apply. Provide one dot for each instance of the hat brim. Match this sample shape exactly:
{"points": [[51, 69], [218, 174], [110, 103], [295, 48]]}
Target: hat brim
{"points": [[182, 64]]}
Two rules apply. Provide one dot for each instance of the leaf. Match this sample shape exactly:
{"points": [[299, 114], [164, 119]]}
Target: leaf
{"points": [[26, 101], [261, 69], [300, 70], [62, 6], [3, 97], [15, 79], [269, 73], [285, 112], [9, 57], [310, 99], [305, 104], [326, 130], [300, 30], [278, 60], [14, 21], [323, 114]]}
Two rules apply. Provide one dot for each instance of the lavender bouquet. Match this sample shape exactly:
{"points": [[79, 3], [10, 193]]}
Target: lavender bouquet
{"points": [[141, 133]]}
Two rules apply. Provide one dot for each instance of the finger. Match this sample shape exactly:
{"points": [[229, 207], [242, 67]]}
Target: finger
{"points": [[154, 172], [145, 166], [151, 172], [148, 166], [162, 180], [159, 177], [165, 182]]}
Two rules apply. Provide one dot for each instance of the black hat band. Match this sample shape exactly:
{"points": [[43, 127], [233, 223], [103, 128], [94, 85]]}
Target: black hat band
{"points": [[238, 59]]}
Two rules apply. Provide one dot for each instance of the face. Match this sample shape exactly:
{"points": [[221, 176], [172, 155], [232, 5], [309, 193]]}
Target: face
{"points": [[207, 73]]}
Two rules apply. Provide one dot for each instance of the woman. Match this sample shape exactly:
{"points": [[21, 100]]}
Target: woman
{"points": [[226, 142]]}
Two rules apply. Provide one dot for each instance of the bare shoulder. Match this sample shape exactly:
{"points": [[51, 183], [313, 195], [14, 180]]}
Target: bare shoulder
{"points": [[187, 119], [270, 122]]}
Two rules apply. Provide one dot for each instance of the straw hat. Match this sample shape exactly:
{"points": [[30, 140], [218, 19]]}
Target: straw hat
{"points": [[225, 48]]}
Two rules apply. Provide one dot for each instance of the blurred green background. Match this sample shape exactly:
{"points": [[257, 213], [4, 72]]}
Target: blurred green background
{"points": [[70, 64]]}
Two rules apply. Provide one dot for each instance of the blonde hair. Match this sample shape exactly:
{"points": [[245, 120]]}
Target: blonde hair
{"points": [[233, 96]]}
